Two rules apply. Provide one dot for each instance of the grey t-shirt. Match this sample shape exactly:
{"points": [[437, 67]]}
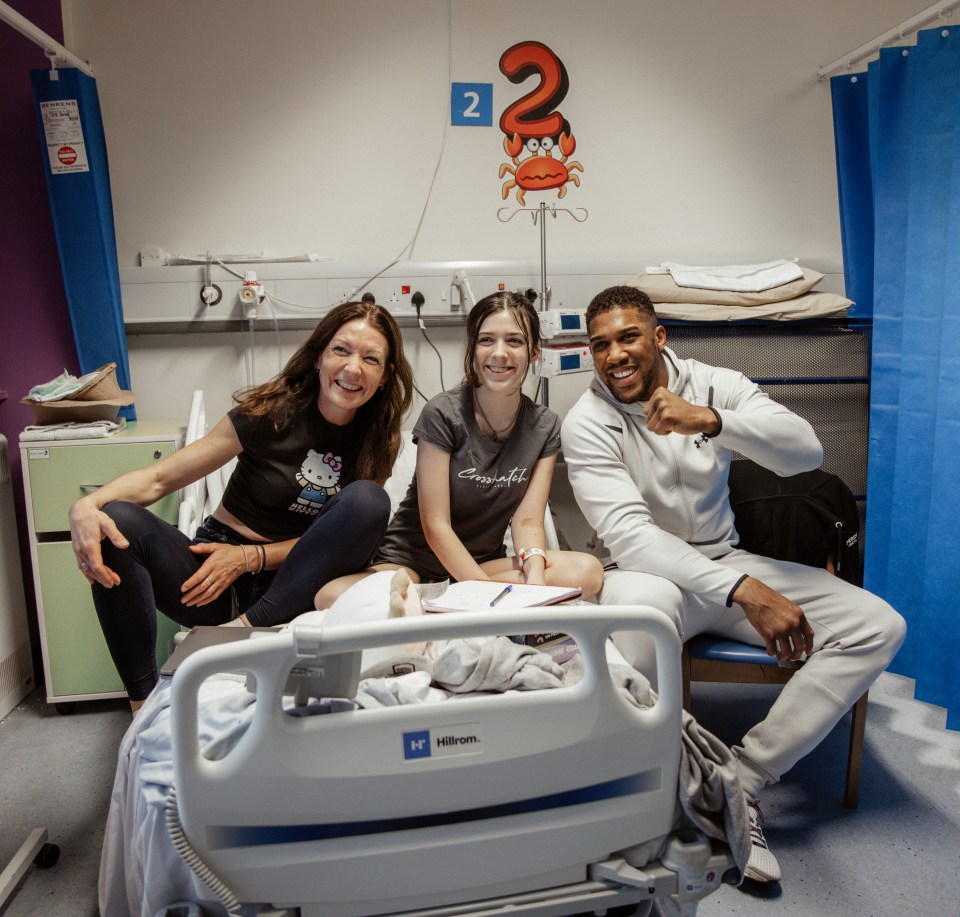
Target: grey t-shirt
{"points": [[487, 479]]}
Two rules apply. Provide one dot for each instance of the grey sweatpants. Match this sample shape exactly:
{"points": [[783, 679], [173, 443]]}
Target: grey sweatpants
{"points": [[855, 634]]}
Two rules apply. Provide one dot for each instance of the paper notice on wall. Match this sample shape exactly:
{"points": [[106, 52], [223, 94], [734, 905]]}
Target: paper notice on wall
{"points": [[66, 149]]}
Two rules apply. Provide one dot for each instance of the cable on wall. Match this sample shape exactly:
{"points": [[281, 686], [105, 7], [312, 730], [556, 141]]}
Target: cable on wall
{"points": [[249, 355], [417, 301], [408, 248]]}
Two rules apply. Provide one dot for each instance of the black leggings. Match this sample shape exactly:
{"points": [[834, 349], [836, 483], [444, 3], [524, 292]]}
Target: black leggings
{"points": [[340, 540]]}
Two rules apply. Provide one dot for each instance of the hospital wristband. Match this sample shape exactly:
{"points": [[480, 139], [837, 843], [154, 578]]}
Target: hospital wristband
{"points": [[524, 553]]}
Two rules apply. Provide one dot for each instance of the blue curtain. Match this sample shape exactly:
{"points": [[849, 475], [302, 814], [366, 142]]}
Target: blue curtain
{"points": [[898, 161], [82, 210]]}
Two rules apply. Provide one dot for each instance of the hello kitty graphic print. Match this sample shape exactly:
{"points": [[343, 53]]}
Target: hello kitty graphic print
{"points": [[319, 478]]}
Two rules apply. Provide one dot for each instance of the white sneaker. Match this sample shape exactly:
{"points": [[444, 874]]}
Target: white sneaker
{"points": [[762, 865]]}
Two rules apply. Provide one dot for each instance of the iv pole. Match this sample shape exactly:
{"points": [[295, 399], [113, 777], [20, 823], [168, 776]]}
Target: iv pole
{"points": [[541, 214]]}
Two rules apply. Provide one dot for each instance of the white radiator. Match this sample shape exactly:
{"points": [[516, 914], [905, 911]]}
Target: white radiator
{"points": [[16, 665]]}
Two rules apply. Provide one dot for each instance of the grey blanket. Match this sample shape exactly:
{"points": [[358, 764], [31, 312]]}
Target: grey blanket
{"points": [[709, 792]]}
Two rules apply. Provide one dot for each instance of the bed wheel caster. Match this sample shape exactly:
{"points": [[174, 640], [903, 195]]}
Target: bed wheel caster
{"points": [[48, 855]]}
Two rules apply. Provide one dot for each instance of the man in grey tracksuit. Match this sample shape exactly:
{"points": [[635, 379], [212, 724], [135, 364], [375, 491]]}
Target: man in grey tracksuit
{"points": [[648, 449]]}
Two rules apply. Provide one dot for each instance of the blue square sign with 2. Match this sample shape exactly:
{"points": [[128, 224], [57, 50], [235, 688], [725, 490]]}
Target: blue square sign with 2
{"points": [[471, 104]]}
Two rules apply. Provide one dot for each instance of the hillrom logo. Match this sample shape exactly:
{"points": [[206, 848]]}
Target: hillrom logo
{"points": [[464, 739]]}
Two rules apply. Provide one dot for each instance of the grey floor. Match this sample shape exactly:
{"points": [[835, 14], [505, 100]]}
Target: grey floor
{"points": [[57, 773], [897, 854]]}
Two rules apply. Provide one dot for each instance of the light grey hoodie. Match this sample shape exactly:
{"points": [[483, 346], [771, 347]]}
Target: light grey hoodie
{"points": [[660, 504]]}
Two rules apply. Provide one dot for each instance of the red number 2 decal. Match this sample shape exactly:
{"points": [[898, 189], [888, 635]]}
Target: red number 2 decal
{"points": [[534, 115]]}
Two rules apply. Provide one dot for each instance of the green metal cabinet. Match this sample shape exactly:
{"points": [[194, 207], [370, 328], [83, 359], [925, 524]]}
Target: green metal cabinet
{"points": [[76, 662]]}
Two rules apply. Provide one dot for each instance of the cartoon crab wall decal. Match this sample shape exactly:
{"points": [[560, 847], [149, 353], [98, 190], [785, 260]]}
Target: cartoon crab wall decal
{"points": [[539, 171]]}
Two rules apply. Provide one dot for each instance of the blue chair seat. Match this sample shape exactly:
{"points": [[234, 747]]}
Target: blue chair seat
{"points": [[717, 649], [708, 657]]}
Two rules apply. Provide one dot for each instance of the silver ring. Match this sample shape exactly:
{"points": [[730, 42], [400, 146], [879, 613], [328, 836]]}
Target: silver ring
{"points": [[84, 565]]}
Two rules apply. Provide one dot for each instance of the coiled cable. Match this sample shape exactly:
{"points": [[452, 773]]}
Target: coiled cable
{"points": [[190, 856]]}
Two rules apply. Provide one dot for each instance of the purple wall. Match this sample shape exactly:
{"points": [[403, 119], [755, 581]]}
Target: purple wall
{"points": [[36, 340]]}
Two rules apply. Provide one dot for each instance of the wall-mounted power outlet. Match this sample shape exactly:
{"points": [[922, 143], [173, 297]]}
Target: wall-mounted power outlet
{"points": [[153, 256]]}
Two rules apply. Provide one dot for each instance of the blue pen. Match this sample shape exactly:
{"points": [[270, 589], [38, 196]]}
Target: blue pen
{"points": [[506, 591]]}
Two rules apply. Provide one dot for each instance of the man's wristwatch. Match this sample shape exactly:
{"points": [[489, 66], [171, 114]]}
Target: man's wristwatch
{"points": [[524, 553]]}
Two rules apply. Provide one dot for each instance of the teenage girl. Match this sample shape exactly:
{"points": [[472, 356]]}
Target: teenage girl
{"points": [[485, 459]]}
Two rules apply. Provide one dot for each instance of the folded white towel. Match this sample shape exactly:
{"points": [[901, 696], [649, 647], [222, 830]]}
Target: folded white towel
{"points": [[96, 429], [742, 278]]}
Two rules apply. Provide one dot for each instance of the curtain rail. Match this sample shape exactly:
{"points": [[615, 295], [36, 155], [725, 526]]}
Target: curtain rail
{"points": [[911, 25], [52, 47]]}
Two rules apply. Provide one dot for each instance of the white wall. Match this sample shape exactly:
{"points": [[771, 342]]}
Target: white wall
{"points": [[174, 365], [315, 126]]}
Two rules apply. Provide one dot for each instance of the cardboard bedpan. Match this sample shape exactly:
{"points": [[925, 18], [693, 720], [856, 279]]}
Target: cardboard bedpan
{"points": [[99, 398]]}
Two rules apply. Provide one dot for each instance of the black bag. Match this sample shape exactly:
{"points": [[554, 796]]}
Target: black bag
{"points": [[810, 518]]}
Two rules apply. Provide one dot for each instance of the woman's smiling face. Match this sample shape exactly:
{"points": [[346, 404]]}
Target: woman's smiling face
{"points": [[350, 369]]}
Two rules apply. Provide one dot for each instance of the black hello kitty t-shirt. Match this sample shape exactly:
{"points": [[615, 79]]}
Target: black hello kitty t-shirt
{"points": [[283, 480]]}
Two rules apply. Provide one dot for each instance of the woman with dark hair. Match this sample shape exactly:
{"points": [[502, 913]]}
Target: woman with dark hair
{"points": [[485, 459], [303, 506]]}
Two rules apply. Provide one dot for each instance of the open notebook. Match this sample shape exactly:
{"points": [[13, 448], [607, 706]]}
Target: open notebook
{"points": [[475, 595]]}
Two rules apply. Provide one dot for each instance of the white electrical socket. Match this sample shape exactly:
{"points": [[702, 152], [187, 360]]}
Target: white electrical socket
{"points": [[153, 256]]}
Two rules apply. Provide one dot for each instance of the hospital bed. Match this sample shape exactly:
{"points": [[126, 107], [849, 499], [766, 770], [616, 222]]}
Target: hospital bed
{"points": [[542, 802], [545, 802]]}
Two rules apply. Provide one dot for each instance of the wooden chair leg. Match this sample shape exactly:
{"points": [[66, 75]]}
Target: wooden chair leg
{"points": [[858, 722]]}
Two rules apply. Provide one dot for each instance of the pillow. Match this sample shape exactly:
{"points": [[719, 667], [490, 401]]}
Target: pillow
{"points": [[404, 469], [663, 288], [809, 305], [382, 595]]}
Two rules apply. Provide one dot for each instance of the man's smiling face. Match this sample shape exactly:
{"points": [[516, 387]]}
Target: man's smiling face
{"points": [[626, 345]]}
